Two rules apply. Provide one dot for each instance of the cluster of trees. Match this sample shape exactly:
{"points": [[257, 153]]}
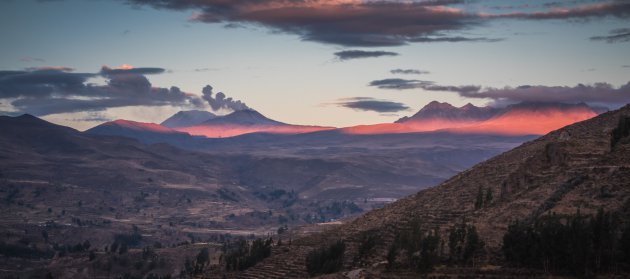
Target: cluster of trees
{"points": [[196, 266], [331, 211], [327, 259], [79, 247], [24, 251], [420, 249], [621, 131], [464, 244], [122, 242], [243, 254], [483, 198], [367, 242], [285, 197], [227, 195], [577, 245]]}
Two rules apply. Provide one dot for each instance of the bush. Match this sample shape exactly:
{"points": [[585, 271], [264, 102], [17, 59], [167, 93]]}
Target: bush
{"points": [[243, 254], [130, 240], [621, 131], [414, 248], [368, 242], [326, 260], [20, 251]]}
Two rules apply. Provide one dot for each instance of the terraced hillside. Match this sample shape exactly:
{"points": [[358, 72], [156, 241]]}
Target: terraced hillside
{"points": [[585, 167]]}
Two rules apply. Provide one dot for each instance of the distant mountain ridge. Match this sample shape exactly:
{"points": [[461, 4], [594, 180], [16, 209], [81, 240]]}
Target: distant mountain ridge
{"points": [[246, 122], [246, 117], [187, 118], [145, 132], [446, 111]]}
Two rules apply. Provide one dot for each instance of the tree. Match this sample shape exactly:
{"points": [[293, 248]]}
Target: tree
{"points": [[326, 260], [479, 199], [123, 248], [473, 244], [488, 196], [621, 131], [242, 254], [456, 240], [464, 243]]}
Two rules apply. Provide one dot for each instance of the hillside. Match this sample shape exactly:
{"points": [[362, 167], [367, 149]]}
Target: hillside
{"points": [[579, 167]]}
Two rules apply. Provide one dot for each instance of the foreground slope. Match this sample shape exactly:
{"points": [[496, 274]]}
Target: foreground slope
{"points": [[580, 166]]}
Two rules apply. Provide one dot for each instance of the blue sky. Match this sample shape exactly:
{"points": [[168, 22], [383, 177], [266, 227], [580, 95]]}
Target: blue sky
{"points": [[278, 73]]}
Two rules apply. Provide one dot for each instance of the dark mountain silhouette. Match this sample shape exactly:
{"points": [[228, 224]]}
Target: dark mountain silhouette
{"points": [[446, 111], [144, 132]]}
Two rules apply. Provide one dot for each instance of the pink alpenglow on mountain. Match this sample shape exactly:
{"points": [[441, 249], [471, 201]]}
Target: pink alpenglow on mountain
{"points": [[246, 122], [520, 119]]}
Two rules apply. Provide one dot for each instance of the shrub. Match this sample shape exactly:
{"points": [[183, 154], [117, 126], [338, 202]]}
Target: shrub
{"points": [[326, 260]]}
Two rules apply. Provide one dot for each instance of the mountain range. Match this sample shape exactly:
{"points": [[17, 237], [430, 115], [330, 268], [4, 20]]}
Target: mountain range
{"points": [[519, 119]]}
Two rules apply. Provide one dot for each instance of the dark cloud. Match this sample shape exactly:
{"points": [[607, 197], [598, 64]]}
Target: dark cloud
{"points": [[595, 94], [357, 54], [41, 83], [615, 8], [453, 39], [452, 88], [371, 104], [31, 59], [93, 116], [43, 68], [598, 94], [376, 23], [615, 36], [200, 70], [409, 72], [49, 91], [398, 83], [341, 22], [405, 84], [219, 101], [131, 70], [625, 66]]}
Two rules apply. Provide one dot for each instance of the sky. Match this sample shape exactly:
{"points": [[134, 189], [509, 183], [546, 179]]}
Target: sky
{"points": [[333, 63]]}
